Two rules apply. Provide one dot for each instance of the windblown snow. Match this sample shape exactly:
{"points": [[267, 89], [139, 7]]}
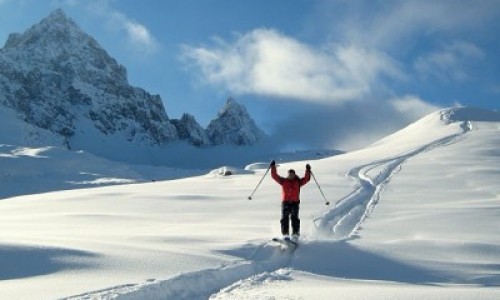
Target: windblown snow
{"points": [[413, 216]]}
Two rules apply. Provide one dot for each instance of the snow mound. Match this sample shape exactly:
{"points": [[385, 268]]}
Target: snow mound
{"points": [[228, 171], [257, 166]]}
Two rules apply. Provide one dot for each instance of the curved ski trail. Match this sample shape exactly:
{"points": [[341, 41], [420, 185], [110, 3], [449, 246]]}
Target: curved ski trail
{"points": [[266, 259], [343, 221]]}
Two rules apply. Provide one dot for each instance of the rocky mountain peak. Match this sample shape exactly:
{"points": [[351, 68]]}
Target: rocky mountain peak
{"points": [[57, 20], [233, 108], [234, 126], [57, 24], [58, 15], [59, 78], [188, 129], [59, 40], [57, 28]]}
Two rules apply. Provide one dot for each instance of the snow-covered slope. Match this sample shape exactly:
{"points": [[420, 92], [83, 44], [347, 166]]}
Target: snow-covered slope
{"points": [[33, 160], [416, 218], [14, 131], [34, 170]]}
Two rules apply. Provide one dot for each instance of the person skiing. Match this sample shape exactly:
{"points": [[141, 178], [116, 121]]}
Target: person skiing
{"points": [[291, 199]]}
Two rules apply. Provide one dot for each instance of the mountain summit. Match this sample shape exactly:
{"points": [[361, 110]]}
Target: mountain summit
{"points": [[234, 126]]}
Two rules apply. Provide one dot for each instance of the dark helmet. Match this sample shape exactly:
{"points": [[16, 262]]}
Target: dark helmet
{"points": [[291, 171]]}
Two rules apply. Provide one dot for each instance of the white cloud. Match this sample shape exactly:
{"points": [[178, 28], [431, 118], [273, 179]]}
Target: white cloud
{"points": [[266, 62], [138, 37], [412, 107], [449, 63], [138, 33]]}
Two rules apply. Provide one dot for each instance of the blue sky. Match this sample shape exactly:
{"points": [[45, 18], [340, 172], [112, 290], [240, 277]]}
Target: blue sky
{"points": [[325, 73]]}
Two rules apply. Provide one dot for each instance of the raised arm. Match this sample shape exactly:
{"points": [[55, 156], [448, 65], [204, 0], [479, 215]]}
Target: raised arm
{"points": [[274, 173], [307, 175]]}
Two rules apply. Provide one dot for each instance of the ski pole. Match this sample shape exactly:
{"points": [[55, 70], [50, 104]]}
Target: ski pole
{"points": [[320, 190], [250, 197]]}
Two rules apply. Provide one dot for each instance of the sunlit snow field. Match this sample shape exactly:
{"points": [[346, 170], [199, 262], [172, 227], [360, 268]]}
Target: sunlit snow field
{"points": [[414, 216]]}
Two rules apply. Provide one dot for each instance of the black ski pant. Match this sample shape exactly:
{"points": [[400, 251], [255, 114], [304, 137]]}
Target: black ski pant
{"points": [[290, 210]]}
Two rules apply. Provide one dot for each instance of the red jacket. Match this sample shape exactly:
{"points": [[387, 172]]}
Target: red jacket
{"points": [[291, 188]]}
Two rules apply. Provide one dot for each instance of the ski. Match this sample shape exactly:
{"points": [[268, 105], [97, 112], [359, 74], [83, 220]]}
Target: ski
{"points": [[286, 243]]}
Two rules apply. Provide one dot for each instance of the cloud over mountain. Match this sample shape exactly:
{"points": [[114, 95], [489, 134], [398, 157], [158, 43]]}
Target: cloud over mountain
{"points": [[137, 36]]}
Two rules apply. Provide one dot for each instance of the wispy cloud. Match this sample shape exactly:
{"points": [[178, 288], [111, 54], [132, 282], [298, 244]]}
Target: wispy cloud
{"points": [[449, 63], [266, 62], [138, 37], [412, 106]]}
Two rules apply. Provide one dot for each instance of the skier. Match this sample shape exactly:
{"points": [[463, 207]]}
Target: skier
{"points": [[291, 199]]}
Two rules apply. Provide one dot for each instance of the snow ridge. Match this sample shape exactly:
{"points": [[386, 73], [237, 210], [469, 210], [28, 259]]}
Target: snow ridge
{"points": [[343, 221]]}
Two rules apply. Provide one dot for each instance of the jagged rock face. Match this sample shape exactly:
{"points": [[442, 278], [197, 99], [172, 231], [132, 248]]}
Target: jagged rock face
{"points": [[188, 129], [234, 126], [54, 75]]}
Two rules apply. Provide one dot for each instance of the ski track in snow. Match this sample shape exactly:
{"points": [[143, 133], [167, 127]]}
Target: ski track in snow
{"points": [[266, 261], [269, 262], [343, 221]]}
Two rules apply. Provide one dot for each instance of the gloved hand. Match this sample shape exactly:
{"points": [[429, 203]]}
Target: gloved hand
{"points": [[273, 163], [308, 167]]}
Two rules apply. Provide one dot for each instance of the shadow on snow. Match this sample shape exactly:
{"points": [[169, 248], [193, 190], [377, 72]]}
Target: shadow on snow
{"points": [[343, 260], [21, 261]]}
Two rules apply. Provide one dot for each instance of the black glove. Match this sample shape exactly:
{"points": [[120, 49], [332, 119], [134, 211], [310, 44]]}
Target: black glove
{"points": [[273, 163], [308, 167]]}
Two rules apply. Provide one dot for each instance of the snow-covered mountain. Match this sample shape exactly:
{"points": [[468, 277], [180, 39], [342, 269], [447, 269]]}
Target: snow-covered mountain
{"points": [[234, 126], [58, 78], [413, 216]]}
